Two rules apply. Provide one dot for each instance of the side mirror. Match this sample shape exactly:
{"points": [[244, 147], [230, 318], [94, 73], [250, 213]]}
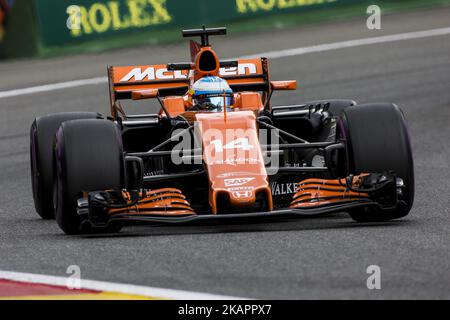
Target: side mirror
{"points": [[144, 94], [284, 85]]}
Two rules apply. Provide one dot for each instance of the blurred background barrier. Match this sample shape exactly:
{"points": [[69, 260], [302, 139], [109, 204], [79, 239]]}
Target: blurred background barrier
{"points": [[49, 27], [88, 19], [5, 6]]}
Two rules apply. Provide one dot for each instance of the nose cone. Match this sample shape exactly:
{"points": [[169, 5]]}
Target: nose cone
{"points": [[234, 161]]}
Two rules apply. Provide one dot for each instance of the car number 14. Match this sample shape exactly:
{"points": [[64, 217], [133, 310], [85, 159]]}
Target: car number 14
{"points": [[240, 144]]}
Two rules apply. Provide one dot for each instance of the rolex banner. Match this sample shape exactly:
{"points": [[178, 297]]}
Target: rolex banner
{"points": [[36, 27], [73, 21]]}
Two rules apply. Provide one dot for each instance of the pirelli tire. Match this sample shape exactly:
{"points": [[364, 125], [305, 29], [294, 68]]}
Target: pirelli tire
{"points": [[42, 133], [378, 141], [88, 157]]}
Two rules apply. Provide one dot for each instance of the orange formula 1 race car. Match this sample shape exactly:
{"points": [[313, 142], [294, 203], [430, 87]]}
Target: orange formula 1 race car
{"points": [[218, 149]]}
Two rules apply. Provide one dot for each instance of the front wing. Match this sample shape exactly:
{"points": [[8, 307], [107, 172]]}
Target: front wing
{"points": [[377, 192], [197, 218]]}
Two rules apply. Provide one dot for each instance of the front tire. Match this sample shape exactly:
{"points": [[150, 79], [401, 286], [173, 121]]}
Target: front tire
{"points": [[378, 141], [88, 157], [42, 135]]}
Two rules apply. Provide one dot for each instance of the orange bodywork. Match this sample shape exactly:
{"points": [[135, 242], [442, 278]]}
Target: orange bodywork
{"points": [[233, 158], [231, 149], [174, 106], [248, 101], [319, 192], [284, 85], [241, 187], [198, 72], [127, 82], [160, 202]]}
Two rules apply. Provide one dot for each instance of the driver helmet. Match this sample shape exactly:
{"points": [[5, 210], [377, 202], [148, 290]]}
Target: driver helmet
{"points": [[212, 94]]}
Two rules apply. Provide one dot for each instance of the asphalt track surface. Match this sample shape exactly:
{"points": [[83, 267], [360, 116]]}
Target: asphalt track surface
{"points": [[300, 259]]}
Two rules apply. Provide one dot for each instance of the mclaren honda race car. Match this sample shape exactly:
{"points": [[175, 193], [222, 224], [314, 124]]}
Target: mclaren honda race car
{"points": [[217, 149]]}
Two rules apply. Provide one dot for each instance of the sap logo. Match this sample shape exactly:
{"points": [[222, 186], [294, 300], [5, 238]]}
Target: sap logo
{"points": [[237, 182], [152, 73]]}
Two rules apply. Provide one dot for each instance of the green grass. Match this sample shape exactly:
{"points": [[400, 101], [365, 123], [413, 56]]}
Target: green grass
{"points": [[259, 24]]}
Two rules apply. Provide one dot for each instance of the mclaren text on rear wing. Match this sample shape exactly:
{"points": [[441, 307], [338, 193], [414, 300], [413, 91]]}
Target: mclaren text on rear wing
{"points": [[247, 75]]}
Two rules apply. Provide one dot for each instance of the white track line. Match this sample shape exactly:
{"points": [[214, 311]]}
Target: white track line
{"points": [[53, 87], [113, 287], [350, 43], [270, 54]]}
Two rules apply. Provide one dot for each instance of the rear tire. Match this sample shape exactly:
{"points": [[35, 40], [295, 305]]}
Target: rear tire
{"points": [[88, 157], [42, 135], [378, 141]]}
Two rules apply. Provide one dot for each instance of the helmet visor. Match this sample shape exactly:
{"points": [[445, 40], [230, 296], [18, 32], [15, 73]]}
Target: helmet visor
{"points": [[214, 102]]}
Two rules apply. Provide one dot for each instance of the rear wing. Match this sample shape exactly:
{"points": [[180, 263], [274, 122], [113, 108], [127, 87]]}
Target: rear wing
{"points": [[248, 75]]}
